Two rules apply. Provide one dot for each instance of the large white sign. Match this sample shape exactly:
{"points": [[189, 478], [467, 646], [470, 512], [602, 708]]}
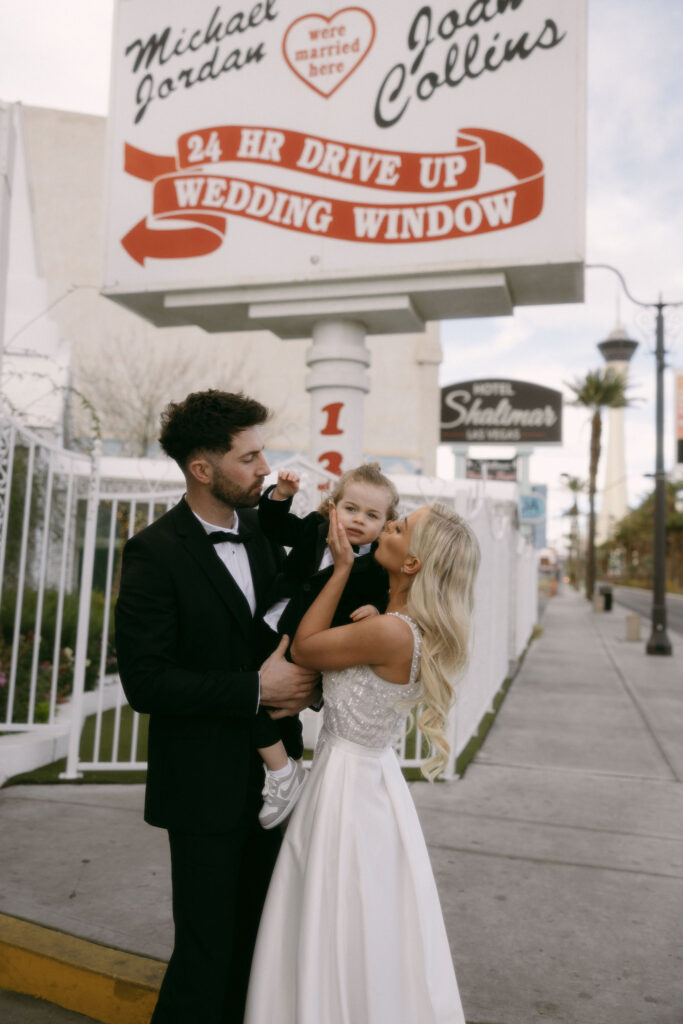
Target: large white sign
{"points": [[291, 143]]}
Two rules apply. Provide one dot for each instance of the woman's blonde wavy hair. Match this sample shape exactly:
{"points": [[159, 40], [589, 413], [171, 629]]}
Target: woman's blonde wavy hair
{"points": [[440, 601]]}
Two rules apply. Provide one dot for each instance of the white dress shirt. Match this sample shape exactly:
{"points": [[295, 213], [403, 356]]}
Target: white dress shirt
{"points": [[235, 559]]}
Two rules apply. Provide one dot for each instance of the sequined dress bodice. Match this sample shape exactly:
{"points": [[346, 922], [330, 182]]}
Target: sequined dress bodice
{"points": [[365, 709]]}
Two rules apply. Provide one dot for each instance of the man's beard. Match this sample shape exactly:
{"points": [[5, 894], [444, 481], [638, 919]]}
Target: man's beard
{"points": [[223, 489]]}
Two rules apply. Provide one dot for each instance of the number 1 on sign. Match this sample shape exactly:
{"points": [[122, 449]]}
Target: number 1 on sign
{"points": [[333, 410]]}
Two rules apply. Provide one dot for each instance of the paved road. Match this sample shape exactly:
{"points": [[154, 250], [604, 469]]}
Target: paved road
{"points": [[641, 601]]}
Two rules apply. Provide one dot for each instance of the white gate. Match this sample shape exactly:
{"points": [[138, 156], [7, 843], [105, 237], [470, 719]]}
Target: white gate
{"points": [[62, 531], [113, 518], [44, 493]]}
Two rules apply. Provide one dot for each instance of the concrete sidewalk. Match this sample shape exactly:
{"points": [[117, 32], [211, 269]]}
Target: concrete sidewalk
{"points": [[559, 856]]}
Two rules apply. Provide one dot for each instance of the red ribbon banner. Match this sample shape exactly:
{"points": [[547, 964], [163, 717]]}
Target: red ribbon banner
{"points": [[185, 189]]}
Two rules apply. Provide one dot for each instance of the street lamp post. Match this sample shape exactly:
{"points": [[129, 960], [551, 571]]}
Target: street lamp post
{"points": [[659, 642]]}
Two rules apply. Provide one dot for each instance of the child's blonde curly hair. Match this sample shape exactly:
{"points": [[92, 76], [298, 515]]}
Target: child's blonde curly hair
{"points": [[368, 473]]}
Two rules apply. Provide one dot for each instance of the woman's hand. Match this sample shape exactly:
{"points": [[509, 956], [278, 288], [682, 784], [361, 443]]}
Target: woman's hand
{"points": [[318, 618], [338, 543]]}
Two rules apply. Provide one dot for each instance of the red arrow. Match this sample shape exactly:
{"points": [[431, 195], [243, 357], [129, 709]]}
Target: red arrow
{"points": [[147, 166], [141, 242]]}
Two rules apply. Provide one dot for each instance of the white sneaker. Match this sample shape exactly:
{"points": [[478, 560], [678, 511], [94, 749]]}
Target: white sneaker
{"points": [[281, 795]]}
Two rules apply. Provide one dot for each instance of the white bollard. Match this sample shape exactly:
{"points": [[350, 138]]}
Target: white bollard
{"points": [[632, 627]]}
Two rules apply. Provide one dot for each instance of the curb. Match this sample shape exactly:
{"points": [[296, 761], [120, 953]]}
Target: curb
{"points": [[103, 983]]}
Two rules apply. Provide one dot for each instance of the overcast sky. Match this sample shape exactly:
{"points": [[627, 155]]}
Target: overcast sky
{"points": [[58, 55]]}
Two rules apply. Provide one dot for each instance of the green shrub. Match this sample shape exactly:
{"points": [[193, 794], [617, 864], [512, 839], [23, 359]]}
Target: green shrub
{"points": [[66, 647]]}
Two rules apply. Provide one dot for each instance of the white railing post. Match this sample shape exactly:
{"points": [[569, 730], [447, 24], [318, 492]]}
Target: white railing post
{"points": [[83, 628], [7, 442], [21, 581], [513, 603]]}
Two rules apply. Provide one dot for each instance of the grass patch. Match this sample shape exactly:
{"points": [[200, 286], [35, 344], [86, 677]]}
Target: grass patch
{"points": [[49, 773], [477, 741]]}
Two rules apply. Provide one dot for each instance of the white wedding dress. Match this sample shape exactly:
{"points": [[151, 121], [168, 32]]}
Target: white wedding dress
{"points": [[352, 930]]}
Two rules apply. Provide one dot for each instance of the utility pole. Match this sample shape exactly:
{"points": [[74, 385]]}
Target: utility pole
{"points": [[659, 642]]}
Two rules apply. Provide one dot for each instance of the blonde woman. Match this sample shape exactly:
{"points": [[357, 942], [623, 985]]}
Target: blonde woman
{"points": [[352, 930]]}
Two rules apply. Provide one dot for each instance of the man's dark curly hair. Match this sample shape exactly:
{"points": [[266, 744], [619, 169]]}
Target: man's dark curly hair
{"points": [[207, 421]]}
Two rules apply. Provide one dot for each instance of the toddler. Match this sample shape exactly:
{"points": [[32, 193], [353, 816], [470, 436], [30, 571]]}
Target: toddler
{"points": [[365, 500]]}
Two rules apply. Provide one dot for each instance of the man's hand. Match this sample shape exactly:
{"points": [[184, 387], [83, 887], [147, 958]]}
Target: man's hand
{"points": [[287, 485], [364, 612], [313, 701], [284, 686]]}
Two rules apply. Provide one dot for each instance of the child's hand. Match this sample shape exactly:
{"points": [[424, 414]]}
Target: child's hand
{"points": [[365, 611], [287, 485]]}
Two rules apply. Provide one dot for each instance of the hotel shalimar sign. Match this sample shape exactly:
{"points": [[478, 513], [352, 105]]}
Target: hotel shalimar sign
{"points": [[495, 411], [284, 151]]}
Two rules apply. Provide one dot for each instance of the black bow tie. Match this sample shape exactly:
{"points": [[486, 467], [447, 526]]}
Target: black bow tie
{"points": [[218, 536]]}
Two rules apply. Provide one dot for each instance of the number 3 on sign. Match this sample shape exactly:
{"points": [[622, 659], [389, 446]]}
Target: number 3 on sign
{"points": [[332, 462], [199, 153]]}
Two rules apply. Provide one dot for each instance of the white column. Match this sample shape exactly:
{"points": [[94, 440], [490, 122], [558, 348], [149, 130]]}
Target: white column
{"points": [[6, 172], [460, 455], [338, 382], [524, 453], [428, 355]]}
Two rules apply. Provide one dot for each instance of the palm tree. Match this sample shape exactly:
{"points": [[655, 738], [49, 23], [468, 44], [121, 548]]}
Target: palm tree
{"points": [[576, 486], [598, 390]]}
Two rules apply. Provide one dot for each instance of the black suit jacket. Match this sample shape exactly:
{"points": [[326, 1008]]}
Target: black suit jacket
{"points": [[189, 651], [301, 581]]}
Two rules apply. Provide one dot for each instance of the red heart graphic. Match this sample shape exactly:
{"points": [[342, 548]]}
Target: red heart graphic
{"points": [[323, 51]]}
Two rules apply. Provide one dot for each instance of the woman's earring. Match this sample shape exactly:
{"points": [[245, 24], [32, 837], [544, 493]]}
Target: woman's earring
{"points": [[403, 568]]}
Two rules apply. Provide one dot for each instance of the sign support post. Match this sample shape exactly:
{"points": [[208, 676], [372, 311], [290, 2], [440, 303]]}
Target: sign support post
{"points": [[524, 454], [337, 383], [460, 456]]}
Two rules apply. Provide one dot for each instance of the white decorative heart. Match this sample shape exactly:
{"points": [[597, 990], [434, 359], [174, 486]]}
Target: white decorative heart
{"points": [[323, 51]]}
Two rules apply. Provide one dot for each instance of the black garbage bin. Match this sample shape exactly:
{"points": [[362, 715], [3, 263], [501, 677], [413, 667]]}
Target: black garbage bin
{"points": [[606, 592]]}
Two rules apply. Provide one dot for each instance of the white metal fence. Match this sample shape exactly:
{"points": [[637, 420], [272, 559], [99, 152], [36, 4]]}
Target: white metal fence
{"points": [[62, 530], [43, 494]]}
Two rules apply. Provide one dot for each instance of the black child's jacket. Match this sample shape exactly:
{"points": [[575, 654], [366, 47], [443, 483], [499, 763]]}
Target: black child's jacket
{"points": [[301, 580]]}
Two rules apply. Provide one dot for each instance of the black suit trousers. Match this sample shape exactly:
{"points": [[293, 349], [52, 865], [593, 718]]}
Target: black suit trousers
{"points": [[219, 886]]}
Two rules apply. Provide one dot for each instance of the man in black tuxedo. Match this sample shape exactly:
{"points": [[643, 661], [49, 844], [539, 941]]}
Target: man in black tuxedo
{"points": [[190, 655]]}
